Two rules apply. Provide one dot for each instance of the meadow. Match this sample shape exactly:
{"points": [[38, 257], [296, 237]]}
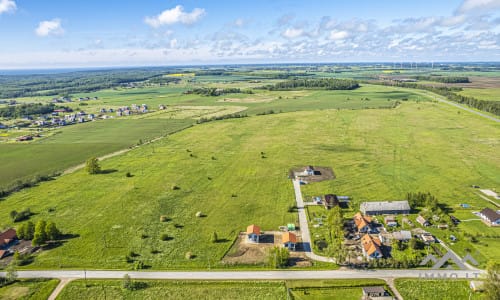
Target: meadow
{"points": [[492, 94], [414, 289], [235, 173], [34, 289], [66, 147]]}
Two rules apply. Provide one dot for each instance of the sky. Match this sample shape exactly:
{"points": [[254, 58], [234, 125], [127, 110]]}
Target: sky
{"points": [[96, 33]]}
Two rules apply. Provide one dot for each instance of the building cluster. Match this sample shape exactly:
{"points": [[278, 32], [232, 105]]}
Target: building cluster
{"points": [[288, 238]]}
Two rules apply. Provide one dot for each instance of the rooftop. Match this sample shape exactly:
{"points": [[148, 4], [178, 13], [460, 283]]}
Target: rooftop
{"points": [[490, 214], [385, 205], [253, 229]]}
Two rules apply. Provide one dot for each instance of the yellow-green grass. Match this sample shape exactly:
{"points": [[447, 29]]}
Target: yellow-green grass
{"points": [[72, 145], [491, 94], [34, 289], [156, 289], [415, 289], [376, 155]]}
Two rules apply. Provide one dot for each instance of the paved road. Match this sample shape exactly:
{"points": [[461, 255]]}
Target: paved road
{"points": [[304, 226], [251, 275]]}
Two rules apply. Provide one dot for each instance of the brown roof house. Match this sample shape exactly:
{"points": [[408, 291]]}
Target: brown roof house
{"points": [[490, 217], [371, 247], [422, 221], [289, 240], [253, 233], [390, 221], [362, 222], [7, 237]]}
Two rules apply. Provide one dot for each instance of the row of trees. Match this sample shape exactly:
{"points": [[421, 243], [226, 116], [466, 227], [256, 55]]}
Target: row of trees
{"points": [[322, 83], [224, 117], [40, 233], [444, 79], [450, 93], [28, 109], [214, 92]]}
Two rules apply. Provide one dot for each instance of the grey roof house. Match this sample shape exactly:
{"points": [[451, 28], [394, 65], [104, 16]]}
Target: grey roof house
{"points": [[385, 207]]}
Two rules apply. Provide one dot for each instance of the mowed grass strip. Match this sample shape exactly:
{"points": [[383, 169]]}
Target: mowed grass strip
{"points": [[72, 145], [220, 171], [156, 289], [416, 289], [34, 289]]}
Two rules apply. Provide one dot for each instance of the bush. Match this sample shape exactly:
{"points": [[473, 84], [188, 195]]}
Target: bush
{"points": [[175, 188], [128, 174], [189, 255], [163, 219], [165, 237]]}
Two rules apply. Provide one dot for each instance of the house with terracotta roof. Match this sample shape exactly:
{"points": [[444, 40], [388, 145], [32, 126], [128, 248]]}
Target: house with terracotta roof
{"points": [[490, 217], [7, 237], [253, 233], [289, 240], [371, 247], [363, 223]]}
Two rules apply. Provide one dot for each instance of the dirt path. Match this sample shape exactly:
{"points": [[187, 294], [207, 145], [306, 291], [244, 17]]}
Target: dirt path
{"points": [[60, 287], [390, 283], [489, 200], [109, 155]]}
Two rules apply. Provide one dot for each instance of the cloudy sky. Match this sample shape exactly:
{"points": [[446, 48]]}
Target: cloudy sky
{"points": [[97, 33]]}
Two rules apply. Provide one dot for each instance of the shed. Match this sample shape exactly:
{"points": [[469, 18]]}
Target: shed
{"points": [[374, 291]]}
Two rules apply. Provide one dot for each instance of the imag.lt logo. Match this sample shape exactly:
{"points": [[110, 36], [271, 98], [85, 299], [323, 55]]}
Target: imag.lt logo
{"points": [[448, 256]]}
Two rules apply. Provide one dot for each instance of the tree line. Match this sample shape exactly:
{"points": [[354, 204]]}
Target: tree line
{"points": [[321, 83], [449, 92], [28, 109], [214, 92], [444, 79]]}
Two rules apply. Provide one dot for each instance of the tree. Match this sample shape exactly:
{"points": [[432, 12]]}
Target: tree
{"points": [[51, 231], [39, 237], [13, 215], [11, 273], [278, 257], [127, 282], [29, 231], [492, 281], [214, 238], [92, 166]]}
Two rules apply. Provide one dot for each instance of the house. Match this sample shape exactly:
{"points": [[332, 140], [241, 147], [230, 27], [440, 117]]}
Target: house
{"points": [[7, 237], [422, 221], [253, 233], [371, 247], [385, 208], [330, 201], [477, 286], [442, 226], [427, 238], [2, 126], [363, 223], [403, 235], [289, 240], [375, 293], [309, 170], [390, 221], [162, 107], [24, 138], [490, 217]]}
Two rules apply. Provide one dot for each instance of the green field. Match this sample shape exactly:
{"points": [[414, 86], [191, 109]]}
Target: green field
{"points": [[72, 145], [414, 289], [376, 154], [492, 94], [348, 289], [34, 289]]}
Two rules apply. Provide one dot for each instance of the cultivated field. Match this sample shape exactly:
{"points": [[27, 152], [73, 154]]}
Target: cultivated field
{"points": [[414, 289], [376, 154]]}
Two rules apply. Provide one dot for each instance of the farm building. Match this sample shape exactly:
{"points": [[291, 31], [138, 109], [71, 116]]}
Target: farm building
{"points": [[385, 207], [363, 223], [7, 237], [371, 247], [490, 217], [427, 238], [422, 221], [330, 201], [289, 240], [390, 221], [253, 233], [403, 235], [375, 292]]}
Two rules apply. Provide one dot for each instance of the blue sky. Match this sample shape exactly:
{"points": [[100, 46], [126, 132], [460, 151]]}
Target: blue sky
{"points": [[56, 33]]}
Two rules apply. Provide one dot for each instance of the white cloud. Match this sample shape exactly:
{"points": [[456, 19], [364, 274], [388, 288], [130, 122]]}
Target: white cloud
{"points": [[239, 22], [51, 27], [7, 6], [175, 15], [475, 5], [292, 33], [173, 43], [337, 35]]}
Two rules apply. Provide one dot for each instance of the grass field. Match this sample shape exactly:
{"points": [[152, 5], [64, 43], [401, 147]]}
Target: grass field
{"points": [[492, 94], [414, 289], [34, 289], [112, 289], [331, 289], [72, 145], [376, 154]]}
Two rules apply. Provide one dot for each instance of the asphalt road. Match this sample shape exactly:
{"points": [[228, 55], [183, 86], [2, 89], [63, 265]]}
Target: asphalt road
{"points": [[251, 275]]}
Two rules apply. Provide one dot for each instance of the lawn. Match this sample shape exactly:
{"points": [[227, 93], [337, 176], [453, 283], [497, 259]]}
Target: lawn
{"points": [[72, 145], [34, 289], [377, 154], [415, 289], [155, 289]]}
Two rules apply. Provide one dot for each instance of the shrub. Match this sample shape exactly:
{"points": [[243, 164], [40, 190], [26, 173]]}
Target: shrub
{"points": [[165, 237], [175, 188], [163, 219], [189, 255], [128, 174]]}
